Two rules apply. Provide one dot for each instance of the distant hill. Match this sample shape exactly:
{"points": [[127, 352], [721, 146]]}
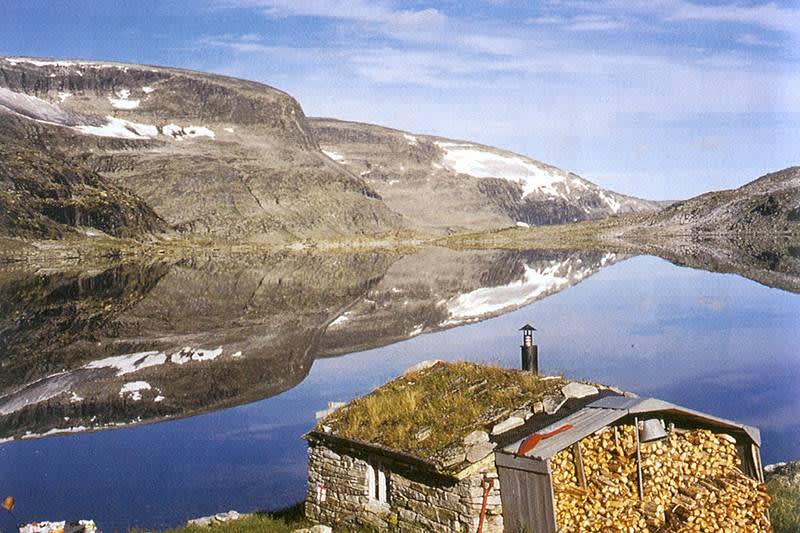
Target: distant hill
{"points": [[444, 184], [768, 205]]}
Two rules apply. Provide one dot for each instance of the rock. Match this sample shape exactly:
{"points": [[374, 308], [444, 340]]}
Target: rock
{"points": [[787, 473], [552, 404], [475, 437], [538, 407], [509, 423], [578, 390], [227, 517], [451, 456], [423, 434], [422, 365], [525, 413], [319, 528], [478, 451], [219, 518]]}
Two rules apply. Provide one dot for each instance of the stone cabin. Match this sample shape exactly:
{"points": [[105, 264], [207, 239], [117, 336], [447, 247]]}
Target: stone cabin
{"points": [[456, 447]]}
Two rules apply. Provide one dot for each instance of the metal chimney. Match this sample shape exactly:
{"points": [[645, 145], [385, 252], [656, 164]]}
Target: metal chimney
{"points": [[530, 352]]}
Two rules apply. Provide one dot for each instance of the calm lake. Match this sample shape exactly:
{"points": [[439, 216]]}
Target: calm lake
{"points": [[144, 395]]}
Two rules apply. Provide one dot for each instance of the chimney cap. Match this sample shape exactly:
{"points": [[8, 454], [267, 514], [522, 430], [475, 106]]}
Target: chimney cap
{"points": [[528, 327]]}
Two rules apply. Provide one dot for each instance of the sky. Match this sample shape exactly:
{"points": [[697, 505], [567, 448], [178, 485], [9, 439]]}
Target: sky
{"points": [[663, 99]]}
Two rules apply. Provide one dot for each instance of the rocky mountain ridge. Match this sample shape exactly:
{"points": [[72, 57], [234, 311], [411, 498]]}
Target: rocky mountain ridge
{"points": [[212, 156], [233, 160], [769, 204], [451, 185]]}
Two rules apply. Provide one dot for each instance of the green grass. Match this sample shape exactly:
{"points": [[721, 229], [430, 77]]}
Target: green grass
{"points": [[452, 399], [251, 524], [784, 511], [282, 521]]}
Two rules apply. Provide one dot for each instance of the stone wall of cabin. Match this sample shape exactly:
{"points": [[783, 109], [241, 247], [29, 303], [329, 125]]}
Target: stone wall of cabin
{"points": [[338, 495]]}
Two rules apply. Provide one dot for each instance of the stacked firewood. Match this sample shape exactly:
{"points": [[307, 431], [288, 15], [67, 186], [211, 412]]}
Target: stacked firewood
{"points": [[691, 482]]}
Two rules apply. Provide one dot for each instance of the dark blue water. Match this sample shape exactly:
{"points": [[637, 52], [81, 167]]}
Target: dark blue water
{"points": [[713, 342]]}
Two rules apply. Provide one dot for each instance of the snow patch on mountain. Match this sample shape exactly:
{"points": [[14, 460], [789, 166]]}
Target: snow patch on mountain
{"points": [[147, 90], [189, 354], [32, 107], [478, 162], [179, 132], [122, 101], [413, 141], [132, 362], [133, 390], [54, 431], [333, 155], [121, 129], [341, 319], [39, 62], [610, 201]]}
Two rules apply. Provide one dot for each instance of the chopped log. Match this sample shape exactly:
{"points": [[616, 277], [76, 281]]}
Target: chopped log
{"points": [[691, 479]]}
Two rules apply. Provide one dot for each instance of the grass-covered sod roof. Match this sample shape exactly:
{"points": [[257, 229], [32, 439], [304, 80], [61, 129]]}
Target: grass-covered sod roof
{"points": [[424, 412]]}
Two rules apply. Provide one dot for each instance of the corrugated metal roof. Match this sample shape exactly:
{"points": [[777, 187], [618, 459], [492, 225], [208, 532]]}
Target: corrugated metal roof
{"points": [[615, 402], [584, 423], [636, 406], [608, 410]]}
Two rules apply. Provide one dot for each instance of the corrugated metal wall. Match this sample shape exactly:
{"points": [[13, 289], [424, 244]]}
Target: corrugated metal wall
{"points": [[526, 491]]}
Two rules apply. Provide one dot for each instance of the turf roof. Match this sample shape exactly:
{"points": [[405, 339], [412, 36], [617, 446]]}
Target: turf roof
{"points": [[426, 412]]}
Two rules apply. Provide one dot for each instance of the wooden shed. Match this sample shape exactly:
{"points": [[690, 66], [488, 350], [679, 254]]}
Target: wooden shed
{"points": [[525, 469]]}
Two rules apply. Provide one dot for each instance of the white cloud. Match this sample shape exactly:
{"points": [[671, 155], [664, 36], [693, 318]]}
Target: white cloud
{"points": [[751, 39], [580, 23], [768, 15], [402, 23]]}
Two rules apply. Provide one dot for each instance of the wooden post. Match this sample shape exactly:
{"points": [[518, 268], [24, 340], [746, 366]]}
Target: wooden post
{"points": [[638, 458], [577, 457]]}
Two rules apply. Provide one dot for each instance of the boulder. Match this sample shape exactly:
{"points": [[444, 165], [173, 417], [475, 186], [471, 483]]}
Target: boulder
{"points": [[478, 451], [578, 390], [319, 528], [451, 456], [509, 423], [552, 404], [476, 437]]}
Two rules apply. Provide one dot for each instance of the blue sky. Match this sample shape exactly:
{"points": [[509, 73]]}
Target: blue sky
{"points": [[658, 98]]}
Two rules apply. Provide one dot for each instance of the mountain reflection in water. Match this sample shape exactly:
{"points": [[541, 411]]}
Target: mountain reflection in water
{"points": [[219, 332], [143, 342]]}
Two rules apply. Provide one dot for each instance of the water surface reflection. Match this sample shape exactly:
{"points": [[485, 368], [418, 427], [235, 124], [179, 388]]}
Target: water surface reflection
{"points": [[715, 342]]}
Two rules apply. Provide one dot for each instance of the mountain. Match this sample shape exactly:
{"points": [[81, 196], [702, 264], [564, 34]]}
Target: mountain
{"points": [[212, 156], [131, 150], [443, 184], [769, 205], [43, 195]]}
